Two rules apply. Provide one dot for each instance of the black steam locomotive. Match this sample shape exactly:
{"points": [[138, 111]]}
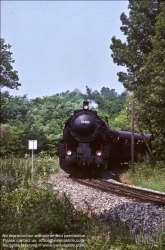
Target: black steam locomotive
{"points": [[89, 146]]}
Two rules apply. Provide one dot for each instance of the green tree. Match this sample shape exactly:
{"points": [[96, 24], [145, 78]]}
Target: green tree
{"points": [[138, 28], [151, 95], [8, 77], [144, 57], [13, 107], [108, 93]]}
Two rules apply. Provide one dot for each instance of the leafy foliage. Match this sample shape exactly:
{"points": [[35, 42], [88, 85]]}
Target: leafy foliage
{"points": [[43, 119], [138, 28], [143, 54], [39, 211], [8, 77], [152, 77]]}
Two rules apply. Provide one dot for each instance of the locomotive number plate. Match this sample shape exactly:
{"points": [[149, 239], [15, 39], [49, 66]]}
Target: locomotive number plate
{"points": [[87, 122]]}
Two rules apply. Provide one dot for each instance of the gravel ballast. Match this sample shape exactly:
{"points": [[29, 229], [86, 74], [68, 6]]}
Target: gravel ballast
{"points": [[140, 216]]}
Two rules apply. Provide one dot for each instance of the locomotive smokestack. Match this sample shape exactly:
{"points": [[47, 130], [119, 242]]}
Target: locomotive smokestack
{"points": [[86, 105]]}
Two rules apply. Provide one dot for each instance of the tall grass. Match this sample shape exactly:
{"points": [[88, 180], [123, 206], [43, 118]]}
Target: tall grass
{"points": [[148, 176], [15, 172]]}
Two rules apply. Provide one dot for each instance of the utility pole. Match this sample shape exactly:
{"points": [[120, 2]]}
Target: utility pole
{"points": [[132, 135], [134, 118], [147, 146]]}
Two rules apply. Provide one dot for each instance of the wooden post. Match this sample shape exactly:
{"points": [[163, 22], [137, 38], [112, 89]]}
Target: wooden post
{"points": [[141, 132], [132, 136]]}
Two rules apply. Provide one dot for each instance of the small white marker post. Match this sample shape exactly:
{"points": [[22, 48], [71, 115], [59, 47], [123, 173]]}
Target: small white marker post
{"points": [[32, 145]]}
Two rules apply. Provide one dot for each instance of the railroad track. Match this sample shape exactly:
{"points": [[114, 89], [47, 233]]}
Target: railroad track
{"points": [[124, 190]]}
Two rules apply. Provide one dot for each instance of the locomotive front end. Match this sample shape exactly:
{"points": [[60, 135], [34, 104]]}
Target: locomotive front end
{"points": [[83, 143]]}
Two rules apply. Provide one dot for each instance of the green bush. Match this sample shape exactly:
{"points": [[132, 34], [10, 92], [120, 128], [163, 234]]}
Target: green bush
{"points": [[39, 211]]}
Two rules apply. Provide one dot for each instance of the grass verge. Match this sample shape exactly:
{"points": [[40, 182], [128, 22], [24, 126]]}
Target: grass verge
{"points": [[146, 175]]}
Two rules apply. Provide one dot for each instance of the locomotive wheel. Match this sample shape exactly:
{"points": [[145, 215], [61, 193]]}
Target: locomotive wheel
{"points": [[63, 165], [77, 172], [96, 172], [81, 173], [114, 163]]}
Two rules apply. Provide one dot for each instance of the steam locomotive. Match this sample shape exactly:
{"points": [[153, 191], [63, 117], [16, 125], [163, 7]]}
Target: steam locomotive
{"points": [[89, 146]]}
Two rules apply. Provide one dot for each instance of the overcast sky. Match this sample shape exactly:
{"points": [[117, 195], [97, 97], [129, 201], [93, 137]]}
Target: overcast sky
{"points": [[62, 45]]}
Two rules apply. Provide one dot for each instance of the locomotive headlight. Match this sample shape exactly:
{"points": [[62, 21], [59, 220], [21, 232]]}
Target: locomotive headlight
{"points": [[85, 107], [69, 152], [98, 153]]}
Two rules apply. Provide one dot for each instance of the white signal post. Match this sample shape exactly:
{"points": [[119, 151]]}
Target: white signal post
{"points": [[32, 145]]}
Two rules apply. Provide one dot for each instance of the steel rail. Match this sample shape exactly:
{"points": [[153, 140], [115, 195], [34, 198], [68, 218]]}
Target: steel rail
{"points": [[149, 194], [145, 195]]}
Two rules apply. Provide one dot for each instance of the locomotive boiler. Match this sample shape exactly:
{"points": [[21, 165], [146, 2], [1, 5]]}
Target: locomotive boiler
{"points": [[89, 146]]}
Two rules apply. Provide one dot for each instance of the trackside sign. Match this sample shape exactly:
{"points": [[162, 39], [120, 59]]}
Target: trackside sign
{"points": [[32, 144]]}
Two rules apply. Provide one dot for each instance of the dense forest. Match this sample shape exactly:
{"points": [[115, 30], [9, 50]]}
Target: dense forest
{"points": [[43, 119]]}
